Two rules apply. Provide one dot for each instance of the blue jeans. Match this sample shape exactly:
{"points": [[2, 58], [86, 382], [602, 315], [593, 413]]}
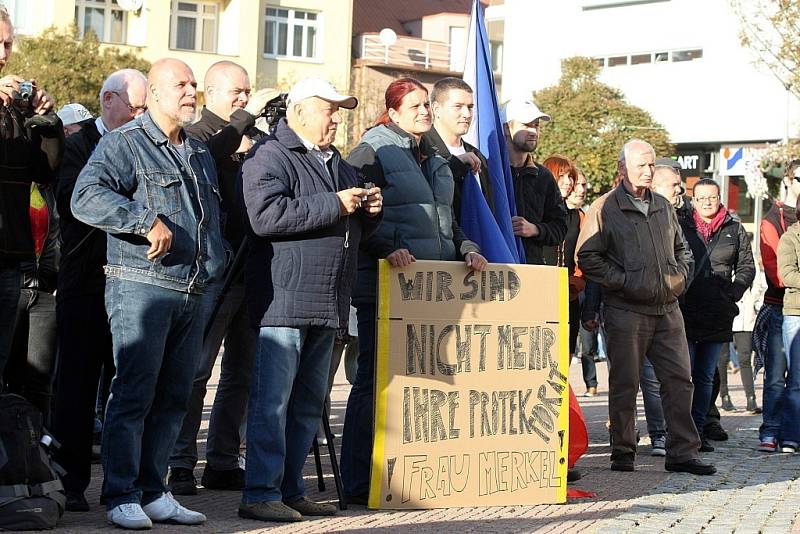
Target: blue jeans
{"points": [[791, 399], [704, 356], [287, 393], [157, 335], [230, 402], [358, 420], [651, 395], [10, 282], [774, 376]]}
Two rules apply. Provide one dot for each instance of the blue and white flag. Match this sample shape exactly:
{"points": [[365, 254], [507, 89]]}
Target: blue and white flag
{"points": [[487, 133]]}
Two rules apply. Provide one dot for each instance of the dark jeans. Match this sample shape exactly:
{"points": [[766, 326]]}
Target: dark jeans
{"points": [[775, 371], [290, 381], [157, 337], [358, 420], [791, 401], [588, 342], [704, 357], [84, 347], [230, 401], [31, 365], [10, 280], [651, 396]]}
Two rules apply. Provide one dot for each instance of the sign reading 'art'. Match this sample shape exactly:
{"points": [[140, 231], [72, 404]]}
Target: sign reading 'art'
{"points": [[471, 386]]}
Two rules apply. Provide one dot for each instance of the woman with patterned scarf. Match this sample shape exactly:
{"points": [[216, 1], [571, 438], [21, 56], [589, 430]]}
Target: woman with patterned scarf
{"points": [[724, 269]]}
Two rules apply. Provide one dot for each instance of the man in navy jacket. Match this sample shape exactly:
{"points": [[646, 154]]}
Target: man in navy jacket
{"points": [[306, 211]]}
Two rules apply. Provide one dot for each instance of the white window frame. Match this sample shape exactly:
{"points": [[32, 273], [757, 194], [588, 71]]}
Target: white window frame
{"points": [[200, 15], [292, 22], [21, 12], [108, 6]]}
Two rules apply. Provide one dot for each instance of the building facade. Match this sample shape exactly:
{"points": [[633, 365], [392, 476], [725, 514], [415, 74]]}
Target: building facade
{"points": [[277, 41], [681, 60]]}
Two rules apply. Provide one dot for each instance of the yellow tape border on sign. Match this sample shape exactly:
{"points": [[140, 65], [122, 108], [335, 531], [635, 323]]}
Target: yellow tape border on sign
{"points": [[381, 384], [563, 418]]}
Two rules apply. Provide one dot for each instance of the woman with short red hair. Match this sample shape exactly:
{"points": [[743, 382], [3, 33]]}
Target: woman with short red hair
{"points": [[418, 223]]}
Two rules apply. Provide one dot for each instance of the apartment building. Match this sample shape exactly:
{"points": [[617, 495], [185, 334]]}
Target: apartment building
{"points": [[277, 41]]}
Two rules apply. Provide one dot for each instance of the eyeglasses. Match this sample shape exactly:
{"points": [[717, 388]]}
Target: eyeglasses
{"points": [[703, 200], [135, 110]]}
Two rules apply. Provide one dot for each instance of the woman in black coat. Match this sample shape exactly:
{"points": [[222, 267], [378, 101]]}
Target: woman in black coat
{"points": [[724, 269]]}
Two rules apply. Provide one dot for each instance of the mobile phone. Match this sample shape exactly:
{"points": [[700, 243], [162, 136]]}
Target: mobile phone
{"points": [[367, 185]]}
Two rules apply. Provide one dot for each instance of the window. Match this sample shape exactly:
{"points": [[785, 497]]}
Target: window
{"points": [[686, 55], [638, 59], [21, 12], [104, 17], [617, 61], [600, 61], [661, 57], [497, 55], [194, 26], [291, 33]]}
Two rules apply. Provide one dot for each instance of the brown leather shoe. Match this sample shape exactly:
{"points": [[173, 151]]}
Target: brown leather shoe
{"points": [[269, 511], [306, 506]]}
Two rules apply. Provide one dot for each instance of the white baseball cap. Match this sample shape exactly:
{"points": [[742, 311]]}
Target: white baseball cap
{"points": [[322, 89], [522, 110], [73, 114]]}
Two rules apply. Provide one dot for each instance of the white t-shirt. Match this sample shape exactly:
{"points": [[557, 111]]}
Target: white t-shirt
{"points": [[458, 151]]}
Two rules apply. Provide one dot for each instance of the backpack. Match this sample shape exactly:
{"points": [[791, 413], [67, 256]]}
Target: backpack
{"points": [[31, 494]]}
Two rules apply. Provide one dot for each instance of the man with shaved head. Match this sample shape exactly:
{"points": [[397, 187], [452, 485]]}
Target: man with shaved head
{"points": [[227, 126], [632, 246], [154, 191], [83, 334]]}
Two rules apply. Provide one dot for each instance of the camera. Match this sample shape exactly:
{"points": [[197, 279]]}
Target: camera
{"points": [[275, 110], [23, 98]]}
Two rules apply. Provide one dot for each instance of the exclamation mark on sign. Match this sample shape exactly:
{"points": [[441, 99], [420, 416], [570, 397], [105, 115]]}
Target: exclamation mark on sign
{"points": [[390, 468], [561, 440]]}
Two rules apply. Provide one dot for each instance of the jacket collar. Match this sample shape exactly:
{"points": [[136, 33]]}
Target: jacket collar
{"points": [[288, 138], [155, 133], [212, 120], [626, 203]]}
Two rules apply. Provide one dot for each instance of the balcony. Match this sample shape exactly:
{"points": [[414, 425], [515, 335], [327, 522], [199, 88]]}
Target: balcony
{"points": [[409, 53]]}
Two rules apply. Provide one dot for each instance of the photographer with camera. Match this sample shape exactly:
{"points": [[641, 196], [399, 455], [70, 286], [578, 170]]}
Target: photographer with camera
{"points": [[31, 144], [226, 125], [307, 210]]}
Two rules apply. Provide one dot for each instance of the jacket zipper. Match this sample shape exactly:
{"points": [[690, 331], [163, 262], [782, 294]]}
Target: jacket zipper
{"points": [[190, 153], [345, 246]]}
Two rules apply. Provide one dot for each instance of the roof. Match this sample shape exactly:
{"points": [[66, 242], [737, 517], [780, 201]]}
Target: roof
{"points": [[375, 15]]}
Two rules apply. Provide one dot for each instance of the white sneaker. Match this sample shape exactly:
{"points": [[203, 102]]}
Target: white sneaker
{"points": [[130, 516], [166, 509]]}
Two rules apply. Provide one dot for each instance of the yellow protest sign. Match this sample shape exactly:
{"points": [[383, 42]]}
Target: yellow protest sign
{"points": [[472, 398]]}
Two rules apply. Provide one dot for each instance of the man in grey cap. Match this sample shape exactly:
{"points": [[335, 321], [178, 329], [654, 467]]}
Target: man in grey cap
{"points": [[667, 181], [305, 212], [73, 117]]}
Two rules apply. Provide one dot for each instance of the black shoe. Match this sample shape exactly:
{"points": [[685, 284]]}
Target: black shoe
{"points": [[76, 502], [727, 404], [752, 407], [714, 431], [573, 475], [361, 500], [228, 479], [696, 467], [181, 481], [622, 465], [705, 446]]}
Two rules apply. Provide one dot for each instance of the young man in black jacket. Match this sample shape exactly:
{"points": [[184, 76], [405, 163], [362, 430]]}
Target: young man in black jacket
{"points": [[541, 214], [31, 144], [82, 332], [452, 107], [227, 126]]}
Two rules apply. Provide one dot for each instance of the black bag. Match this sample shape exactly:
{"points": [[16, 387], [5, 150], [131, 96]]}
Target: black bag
{"points": [[31, 494]]}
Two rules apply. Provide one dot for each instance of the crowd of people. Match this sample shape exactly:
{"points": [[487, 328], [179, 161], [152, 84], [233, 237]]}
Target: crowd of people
{"points": [[142, 241]]}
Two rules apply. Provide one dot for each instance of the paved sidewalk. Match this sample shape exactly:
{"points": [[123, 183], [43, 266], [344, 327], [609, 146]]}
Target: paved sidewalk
{"points": [[753, 492]]}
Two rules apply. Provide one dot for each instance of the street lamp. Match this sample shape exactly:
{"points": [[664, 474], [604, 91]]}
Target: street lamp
{"points": [[388, 37]]}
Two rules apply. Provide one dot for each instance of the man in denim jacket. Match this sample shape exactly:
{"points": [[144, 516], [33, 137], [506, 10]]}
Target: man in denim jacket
{"points": [[154, 191]]}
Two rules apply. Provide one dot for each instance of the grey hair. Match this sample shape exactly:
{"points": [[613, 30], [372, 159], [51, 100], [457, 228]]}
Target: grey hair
{"points": [[623, 154], [118, 82], [4, 15]]}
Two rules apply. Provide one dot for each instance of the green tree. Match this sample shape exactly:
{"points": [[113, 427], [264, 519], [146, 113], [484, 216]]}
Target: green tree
{"points": [[68, 68], [591, 122]]}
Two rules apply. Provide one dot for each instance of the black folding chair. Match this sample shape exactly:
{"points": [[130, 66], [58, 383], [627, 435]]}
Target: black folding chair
{"points": [[337, 477]]}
